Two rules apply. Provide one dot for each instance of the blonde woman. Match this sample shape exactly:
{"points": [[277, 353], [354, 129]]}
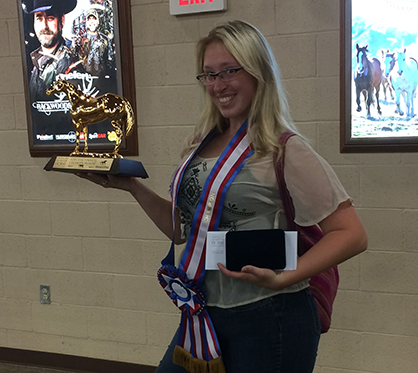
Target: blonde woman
{"points": [[254, 319]]}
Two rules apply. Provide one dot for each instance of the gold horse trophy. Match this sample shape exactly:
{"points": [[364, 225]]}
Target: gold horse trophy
{"points": [[86, 110]]}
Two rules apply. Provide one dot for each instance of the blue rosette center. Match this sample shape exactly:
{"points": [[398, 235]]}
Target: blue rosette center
{"points": [[185, 294]]}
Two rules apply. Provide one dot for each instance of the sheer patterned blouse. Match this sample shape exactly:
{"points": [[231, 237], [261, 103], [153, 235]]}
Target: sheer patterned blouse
{"points": [[253, 202]]}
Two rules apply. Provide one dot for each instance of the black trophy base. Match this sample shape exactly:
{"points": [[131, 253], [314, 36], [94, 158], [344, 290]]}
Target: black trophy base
{"points": [[112, 166]]}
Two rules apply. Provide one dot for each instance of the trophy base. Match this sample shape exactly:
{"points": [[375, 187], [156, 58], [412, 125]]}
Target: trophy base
{"points": [[113, 166]]}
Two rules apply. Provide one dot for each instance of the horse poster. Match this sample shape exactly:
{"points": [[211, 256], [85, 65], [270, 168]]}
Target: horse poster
{"points": [[380, 76], [80, 42]]}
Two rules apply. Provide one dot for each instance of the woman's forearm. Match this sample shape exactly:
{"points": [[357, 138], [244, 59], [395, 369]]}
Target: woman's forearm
{"points": [[158, 209]]}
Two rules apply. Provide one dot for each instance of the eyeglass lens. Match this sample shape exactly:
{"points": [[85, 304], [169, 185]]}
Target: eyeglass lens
{"points": [[224, 75]]}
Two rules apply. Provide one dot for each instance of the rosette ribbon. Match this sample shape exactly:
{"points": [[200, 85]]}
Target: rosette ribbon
{"points": [[197, 348], [185, 294]]}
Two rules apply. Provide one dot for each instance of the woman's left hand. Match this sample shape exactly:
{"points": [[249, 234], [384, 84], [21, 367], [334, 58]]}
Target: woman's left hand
{"points": [[344, 237], [259, 276]]}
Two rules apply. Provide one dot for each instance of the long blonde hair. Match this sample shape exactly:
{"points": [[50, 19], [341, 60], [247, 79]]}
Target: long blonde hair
{"points": [[269, 115]]}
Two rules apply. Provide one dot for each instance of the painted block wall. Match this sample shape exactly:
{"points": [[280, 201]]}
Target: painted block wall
{"points": [[99, 253]]}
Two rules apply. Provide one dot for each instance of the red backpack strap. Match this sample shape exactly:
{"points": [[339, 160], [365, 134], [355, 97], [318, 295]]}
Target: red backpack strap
{"points": [[286, 136], [307, 236], [324, 285], [286, 198]]}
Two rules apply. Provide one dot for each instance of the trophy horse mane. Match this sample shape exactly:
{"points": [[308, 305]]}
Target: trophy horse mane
{"points": [[87, 110]]}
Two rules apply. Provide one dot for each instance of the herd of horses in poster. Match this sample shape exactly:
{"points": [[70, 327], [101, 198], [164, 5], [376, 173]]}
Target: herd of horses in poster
{"points": [[395, 73]]}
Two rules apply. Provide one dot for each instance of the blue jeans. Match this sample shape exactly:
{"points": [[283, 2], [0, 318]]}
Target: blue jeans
{"points": [[275, 335]]}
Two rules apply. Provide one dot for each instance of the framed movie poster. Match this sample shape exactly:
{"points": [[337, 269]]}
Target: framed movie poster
{"points": [[379, 75], [83, 42]]}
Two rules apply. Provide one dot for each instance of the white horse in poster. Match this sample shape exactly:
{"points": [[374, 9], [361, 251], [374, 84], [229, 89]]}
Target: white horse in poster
{"points": [[404, 79]]}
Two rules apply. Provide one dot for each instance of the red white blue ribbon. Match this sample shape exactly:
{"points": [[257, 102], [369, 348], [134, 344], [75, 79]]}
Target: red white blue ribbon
{"points": [[183, 285]]}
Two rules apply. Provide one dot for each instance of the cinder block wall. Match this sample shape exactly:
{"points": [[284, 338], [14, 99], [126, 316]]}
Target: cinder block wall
{"points": [[99, 253]]}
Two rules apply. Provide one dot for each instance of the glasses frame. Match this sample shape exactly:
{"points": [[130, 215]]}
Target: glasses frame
{"points": [[202, 77]]}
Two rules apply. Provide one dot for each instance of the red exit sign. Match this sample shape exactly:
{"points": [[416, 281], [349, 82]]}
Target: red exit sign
{"points": [[196, 6]]}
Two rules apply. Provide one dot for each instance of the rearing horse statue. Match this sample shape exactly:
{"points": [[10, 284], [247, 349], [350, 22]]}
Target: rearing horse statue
{"points": [[87, 110]]}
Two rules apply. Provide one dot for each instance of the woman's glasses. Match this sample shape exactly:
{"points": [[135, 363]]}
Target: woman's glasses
{"points": [[224, 75]]}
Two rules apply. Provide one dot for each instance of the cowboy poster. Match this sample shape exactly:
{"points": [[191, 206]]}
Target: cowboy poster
{"points": [[72, 40]]}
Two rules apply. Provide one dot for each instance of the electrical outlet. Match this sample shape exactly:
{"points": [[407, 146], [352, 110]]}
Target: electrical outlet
{"points": [[45, 294]]}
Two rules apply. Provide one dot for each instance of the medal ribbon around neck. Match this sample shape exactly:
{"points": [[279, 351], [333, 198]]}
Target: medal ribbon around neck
{"points": [[183, 285]]}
